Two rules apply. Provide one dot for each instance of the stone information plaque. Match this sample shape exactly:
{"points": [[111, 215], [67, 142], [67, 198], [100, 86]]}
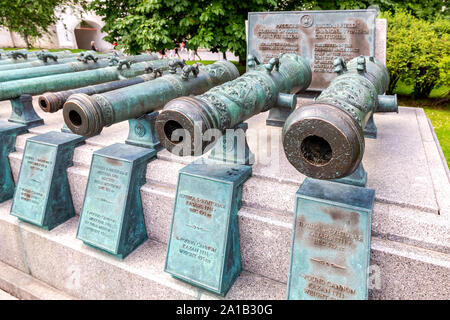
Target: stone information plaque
{"points": [[204, 245], [8, 134], [330, 251], [318, 36], [42, 195], [111, 217]]}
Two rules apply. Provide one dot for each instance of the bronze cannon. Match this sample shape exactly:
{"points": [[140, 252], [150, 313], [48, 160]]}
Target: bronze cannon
{"points": [[325, 139], [224, 107]]}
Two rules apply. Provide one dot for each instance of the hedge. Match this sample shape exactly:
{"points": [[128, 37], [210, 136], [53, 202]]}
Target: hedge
{"points": [[417, 52]]}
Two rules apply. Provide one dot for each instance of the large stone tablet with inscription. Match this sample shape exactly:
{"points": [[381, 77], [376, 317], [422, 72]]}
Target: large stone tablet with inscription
{"points": [[331, 241], [42, 195], [318, 36], [8, 133], [204, 245], [111, 218]]}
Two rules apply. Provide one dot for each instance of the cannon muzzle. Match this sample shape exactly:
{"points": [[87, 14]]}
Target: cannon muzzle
{"points": [[191, 125], [325, 139], [87, 115]]}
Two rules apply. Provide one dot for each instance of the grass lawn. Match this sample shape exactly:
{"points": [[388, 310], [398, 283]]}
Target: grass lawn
{"points": [[437, 109]]}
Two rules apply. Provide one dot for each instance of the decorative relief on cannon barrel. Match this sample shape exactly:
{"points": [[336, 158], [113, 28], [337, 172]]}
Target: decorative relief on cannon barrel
{"points": [[226, 106]]}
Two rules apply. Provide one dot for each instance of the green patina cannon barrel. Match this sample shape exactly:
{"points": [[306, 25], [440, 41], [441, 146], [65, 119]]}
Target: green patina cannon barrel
{"points": [[75, 66], [224, 107], [47, 58], [23, 56], [54, 101], [65, 81], [87, 115], [325, 139]]}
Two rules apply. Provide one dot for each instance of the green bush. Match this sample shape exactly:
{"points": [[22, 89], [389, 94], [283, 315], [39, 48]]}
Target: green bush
{"points": [[417, 52]]}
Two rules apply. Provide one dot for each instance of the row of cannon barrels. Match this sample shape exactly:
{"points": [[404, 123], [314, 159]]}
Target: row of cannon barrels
{"points": [[323, 139]]}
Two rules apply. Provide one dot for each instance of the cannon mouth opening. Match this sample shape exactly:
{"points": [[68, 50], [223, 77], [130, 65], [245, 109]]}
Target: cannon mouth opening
{"points": [[43, 103], [75, 118], [316, 150], [171, 133]]}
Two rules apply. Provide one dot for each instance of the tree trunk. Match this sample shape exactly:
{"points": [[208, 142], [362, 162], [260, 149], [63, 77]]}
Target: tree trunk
{"points": [[27, 41], [224, 55]]}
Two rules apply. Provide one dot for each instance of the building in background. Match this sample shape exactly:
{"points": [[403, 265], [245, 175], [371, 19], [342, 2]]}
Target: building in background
{"points": [[72, 31]]}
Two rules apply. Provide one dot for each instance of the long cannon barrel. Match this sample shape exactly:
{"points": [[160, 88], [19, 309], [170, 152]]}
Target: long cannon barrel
{"points": [[224, 107], [65, 81], [54, 101], [325, 139], [76, 66], [87, 115]]}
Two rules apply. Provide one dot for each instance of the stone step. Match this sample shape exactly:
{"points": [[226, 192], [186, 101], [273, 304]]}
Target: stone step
{"points": [[16, 284], [65, 263]]}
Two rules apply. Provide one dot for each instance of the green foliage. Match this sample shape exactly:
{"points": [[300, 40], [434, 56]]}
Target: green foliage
{"points": [[417, 54], [31, 18], [160, 24]]}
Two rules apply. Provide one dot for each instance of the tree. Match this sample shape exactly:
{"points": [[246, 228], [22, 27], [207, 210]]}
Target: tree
{"points": [[31, 18], [160, 24]]}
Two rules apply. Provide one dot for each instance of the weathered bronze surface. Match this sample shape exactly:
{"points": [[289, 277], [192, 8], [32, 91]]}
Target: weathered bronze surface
{"points": [[225, 106], [65, 81], [47, 58], [88, 62], [87, 115], [330, 251], [17, 57], [318, 36], [324, 139], [8, 134], [112, 219], [204, 248]]}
